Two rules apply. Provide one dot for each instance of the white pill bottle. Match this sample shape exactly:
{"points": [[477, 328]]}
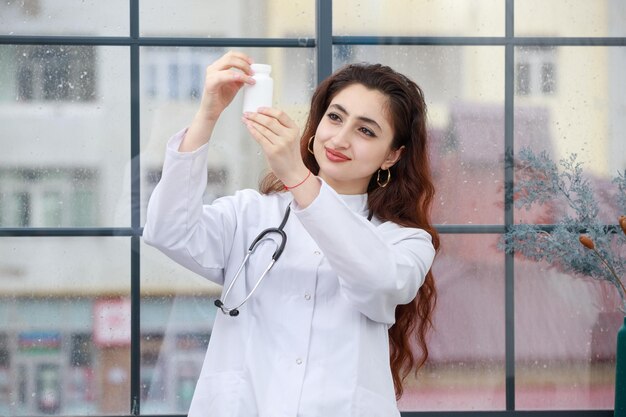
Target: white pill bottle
{"points": [[259, 94]]}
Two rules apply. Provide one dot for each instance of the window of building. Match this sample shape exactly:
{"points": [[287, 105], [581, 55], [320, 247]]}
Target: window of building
{"points": [[55, 73], [174, 73], [536, 71], [50, 197], [81, 350]]}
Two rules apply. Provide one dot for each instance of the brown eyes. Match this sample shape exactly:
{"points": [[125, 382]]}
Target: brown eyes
{"points": [[336, 118]]}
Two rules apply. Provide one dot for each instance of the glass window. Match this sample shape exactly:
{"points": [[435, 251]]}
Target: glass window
{"points": [[522, 79], [64, 326], [67, 126], [177, 313], [5, 355], [70, 115], [5, 371], [548, 78], [418, 18], [466, 366], [463, 87], [603, 18], [565, 340], [65, 17], [582, 116], [82, 350], [48, 388], [230, 19], [536, 71], [567, 361], [48, 197]]}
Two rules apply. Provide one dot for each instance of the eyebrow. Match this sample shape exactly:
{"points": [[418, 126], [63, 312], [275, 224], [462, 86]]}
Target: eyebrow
{"points": [[362, 118]]}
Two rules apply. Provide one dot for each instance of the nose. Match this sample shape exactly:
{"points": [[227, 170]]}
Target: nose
{"points": [[341, 140]]}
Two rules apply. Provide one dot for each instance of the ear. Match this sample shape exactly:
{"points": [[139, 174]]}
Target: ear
{"points": [[392, 157]]}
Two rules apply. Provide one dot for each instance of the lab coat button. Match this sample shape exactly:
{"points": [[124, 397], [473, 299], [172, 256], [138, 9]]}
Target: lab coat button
{"points": [[307, 296], [299, 361], [317, 252]]}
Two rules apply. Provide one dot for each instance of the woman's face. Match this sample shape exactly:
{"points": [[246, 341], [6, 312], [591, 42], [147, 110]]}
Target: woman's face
{"points": [[353, 139]]}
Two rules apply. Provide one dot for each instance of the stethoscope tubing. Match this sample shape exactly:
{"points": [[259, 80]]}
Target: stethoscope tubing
{"points": [[234, 311]]}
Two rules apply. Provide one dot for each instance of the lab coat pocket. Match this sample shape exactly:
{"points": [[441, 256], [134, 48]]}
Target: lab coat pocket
{"points": [[224, 394], [371, 404]]}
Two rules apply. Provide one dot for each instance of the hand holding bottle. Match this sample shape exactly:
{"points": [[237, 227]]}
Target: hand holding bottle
{"points": [[223, 79]]}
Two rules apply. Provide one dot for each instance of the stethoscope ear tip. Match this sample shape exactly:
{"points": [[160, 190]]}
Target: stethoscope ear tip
{"points": [[218, 304], [234, 313]]}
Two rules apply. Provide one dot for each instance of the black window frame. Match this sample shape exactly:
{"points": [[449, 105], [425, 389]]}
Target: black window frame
{"points": [[323, 43]]}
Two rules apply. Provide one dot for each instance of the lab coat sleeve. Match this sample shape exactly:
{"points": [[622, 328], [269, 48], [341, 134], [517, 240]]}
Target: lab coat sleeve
{"points": [[378, 267], [196, 236]]}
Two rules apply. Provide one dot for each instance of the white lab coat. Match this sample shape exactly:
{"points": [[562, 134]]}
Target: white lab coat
{"points": [[312, 341]]}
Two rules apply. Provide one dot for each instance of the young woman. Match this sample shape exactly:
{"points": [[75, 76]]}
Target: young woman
{"points": [[332, 327]]}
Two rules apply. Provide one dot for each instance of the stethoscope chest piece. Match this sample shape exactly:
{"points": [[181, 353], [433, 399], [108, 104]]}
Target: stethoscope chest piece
{"points": [[234, 311]]}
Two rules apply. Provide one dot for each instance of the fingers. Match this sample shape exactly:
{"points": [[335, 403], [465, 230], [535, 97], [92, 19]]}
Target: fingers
{"points": [[272, 124], [275, 120], [233, 60], [269, 127], [279, 115], [260, 138]]}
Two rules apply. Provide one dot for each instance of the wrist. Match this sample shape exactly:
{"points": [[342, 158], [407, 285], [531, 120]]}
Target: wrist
{"points": [[198, 134], [297, 181], [206, 118]]}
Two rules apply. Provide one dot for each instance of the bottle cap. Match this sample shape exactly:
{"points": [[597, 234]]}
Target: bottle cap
{"points": [[262, 68]]}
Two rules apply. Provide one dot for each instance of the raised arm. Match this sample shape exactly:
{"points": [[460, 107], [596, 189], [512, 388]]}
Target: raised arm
{"points": [[223, 79]]}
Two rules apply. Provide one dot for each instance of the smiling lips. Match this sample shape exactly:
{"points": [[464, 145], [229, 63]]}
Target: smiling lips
{"points": [[335, 156]]}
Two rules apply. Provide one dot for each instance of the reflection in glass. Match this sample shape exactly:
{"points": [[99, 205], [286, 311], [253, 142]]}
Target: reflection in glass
{"points": [[65, 116], [171, 84], [64, 326], [177, 314], [465, 370]]}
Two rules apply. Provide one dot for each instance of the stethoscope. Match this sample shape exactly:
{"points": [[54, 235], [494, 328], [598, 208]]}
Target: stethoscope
{"points": [[234, 311]]}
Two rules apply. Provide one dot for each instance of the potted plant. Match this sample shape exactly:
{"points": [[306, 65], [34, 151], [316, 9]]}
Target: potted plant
{"points": [[579, 242]]}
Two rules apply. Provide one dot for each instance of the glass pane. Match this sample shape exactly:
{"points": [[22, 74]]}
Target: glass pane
{"points": [[573, 103], [177, 314], [228, 19], [170, 101], [565, 324], [418, 18], [565, 332], [604, 18], [64, 326], [65, 116], [65, 17], [465, 370], [463, 87]]}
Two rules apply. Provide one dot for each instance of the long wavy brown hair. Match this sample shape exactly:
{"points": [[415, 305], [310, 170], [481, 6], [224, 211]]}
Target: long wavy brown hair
{"points": [[406, 200]]}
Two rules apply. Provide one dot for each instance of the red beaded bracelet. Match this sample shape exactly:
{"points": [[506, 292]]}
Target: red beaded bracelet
{"points": [[300, 183]]}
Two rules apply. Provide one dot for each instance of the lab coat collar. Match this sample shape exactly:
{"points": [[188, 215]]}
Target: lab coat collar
{"points": [[356, 202]]}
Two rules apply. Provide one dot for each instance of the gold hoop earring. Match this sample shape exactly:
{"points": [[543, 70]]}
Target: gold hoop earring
{"points": [[309, 146], [384, 184]]}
